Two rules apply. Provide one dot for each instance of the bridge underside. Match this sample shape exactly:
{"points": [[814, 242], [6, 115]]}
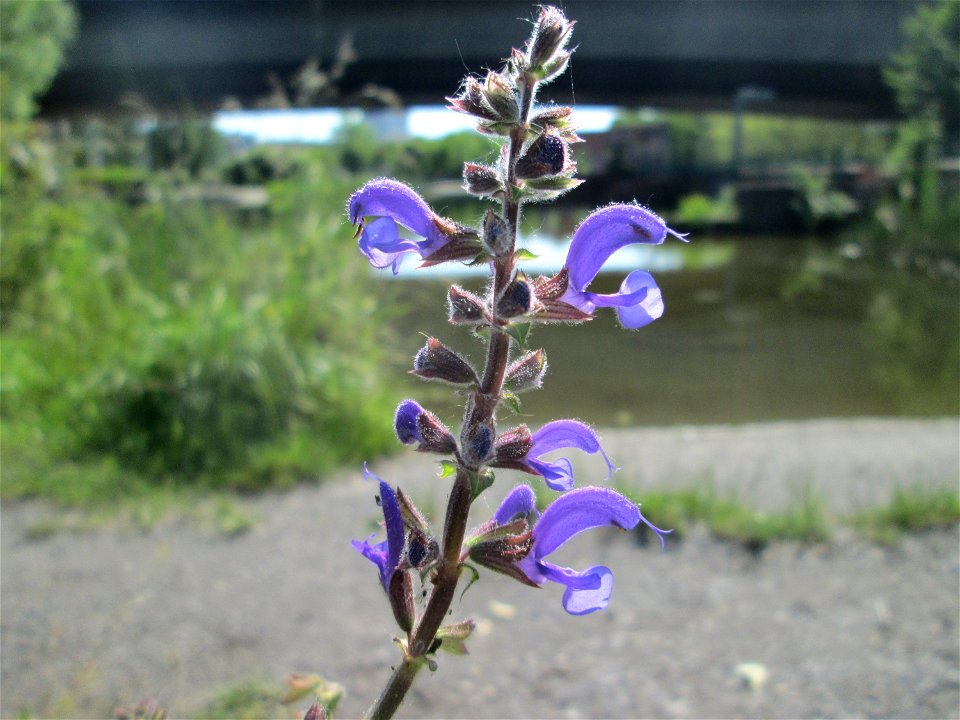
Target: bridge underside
{"points": [[819, 57]]}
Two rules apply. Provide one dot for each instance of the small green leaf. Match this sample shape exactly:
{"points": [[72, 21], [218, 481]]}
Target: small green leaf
{"points": [[448, 468], [524, 254], [453, 637], [519, 332], [480, 481], [513, 401], [474, 573]]}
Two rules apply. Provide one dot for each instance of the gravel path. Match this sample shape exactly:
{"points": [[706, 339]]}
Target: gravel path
{"points": [[94, 620]]}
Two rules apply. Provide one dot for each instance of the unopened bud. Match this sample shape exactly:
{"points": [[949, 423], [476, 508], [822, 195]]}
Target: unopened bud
{"points": [[477, 443], [496, 234], [555, 66], [512, 446], [435, 361], [504, 553], [499, 95], [547, 155], [516, 300], [481, 180], [471, 101], [465, 308], [550, 33], [526, 372], [413, 424]]}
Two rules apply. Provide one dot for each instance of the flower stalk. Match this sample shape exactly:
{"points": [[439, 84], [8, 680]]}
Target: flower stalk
{"points": [[534, 165]]}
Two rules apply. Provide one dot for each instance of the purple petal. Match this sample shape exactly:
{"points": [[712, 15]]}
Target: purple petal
{"points": [[558, 474], [582, 601], [563, 434], [386, 554], [579, 510], [394, 522], [393, 203], [638, 303], [381, 243], [520, 501], [606, 231], [405, 422], [384, 197], [377, 554]]}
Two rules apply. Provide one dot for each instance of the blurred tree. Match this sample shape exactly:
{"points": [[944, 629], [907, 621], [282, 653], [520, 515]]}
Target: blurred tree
{"points": [[926, 73], [33, 36]]}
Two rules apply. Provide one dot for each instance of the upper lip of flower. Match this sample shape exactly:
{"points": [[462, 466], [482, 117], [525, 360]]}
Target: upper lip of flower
{"points": [[558, 434]]}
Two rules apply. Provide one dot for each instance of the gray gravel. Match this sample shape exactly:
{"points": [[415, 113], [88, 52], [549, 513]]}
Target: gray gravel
{"points": [[94, 620]]}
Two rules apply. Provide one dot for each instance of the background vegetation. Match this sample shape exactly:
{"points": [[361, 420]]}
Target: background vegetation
{"points": [[151, 337], [178, 311]]}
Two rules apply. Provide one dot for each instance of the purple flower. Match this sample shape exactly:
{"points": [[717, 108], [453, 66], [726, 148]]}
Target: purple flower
{"points": [[395, 204], [386, 554], [638, 302], [413, 424], [570, 514], [558, 474]]}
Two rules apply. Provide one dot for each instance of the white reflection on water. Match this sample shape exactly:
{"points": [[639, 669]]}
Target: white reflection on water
{"points": [[551, 255]]}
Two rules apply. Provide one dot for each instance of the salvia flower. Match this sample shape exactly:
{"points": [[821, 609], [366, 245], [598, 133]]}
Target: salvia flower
{"points": [[556, 435], [414, 425], [395, 204], [639, 301], [569, 515], [385, 554], [391, 555]]}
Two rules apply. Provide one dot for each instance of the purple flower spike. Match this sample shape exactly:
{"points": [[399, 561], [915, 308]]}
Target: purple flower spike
{"points": [[386, 554], [395, 204], [570, 514], [562, 434], [638, 302]]}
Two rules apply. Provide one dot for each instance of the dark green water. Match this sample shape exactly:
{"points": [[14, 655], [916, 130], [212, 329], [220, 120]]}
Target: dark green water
{"points": [[727, 350]]}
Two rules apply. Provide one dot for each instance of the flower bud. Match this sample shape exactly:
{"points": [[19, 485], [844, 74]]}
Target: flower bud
{"points": [[555, 66], [496, 234], [503, 547], [547, 155], [516, 300], [512, 446], [550, 307], [465, 308], [481, 180], [550, 33], [435, 361], [476, 442], [499, 94], [471, 101], [316, 712], [557, 118], [526, 372], [413, 424]]}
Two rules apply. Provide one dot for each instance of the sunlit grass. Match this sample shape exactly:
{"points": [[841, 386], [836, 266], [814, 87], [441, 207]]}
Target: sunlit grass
{"points": [[910, 510]]}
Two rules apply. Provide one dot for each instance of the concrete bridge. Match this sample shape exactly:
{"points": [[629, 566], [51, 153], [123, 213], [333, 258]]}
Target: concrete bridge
{"points": [[820, 57]]}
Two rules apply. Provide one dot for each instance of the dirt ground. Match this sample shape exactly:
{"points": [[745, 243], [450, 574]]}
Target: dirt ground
{"points": [[93, 620]]}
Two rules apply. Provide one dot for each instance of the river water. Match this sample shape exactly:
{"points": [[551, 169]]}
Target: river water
{"points": [[728, 349]]}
